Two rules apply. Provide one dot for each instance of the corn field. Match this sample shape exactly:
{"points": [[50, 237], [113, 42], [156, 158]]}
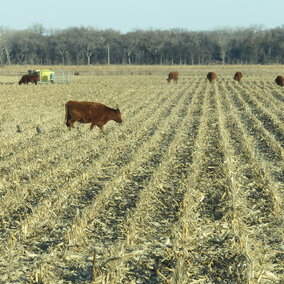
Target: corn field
{"points": [[188, 189]]}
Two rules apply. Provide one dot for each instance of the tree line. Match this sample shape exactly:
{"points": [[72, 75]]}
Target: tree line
{"points": [[87, 45]]}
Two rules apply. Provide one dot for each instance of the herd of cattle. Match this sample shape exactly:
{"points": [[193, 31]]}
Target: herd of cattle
{"points": [[211, 76], [98, 114]]}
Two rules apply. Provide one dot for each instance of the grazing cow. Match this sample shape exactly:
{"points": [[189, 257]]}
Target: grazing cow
{"points": [[89, 112], [173, 76], [211, 76], [280, 80], [238, 76], [33, 78]]}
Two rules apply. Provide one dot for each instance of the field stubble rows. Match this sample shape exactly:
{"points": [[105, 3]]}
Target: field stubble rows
{"points": [[189, 187]]}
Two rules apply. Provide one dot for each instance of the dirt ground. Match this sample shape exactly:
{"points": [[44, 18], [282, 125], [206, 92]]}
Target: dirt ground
{"points": [[188, 189]]}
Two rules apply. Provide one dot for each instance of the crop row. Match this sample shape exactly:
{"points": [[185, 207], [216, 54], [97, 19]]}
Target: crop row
{"points": [[187, 189]]}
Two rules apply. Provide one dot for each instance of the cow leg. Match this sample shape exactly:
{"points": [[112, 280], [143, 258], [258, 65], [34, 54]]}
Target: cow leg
{"points": [[92, 125], [70, 124], [101, 126]]}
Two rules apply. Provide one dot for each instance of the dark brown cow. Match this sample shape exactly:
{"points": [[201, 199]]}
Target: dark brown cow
{"points": [[211, 76], [33, 78], [173, 76], [89, 112], [238, 76], [280, 80]]}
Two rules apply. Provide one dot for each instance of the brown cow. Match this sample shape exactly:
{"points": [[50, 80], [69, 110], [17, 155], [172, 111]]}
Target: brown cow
{"points": [[173, 76], [238, 76], [33, 78], [280, 80], [211, 76], [89, 112]]}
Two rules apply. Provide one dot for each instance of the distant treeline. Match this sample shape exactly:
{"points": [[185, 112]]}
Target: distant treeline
{"points": [[87, 45]]}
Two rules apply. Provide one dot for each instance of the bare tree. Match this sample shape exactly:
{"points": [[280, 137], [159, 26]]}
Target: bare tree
{"points": [[223, 40], [4, 45], [86, 45], [130, 42], [61, 41]]}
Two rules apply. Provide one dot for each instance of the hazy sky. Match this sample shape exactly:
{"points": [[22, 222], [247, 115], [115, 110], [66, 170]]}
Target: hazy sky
{"points": [[128, 15]]}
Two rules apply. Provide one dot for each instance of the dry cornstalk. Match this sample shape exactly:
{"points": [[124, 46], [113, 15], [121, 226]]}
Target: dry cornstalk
{"points": [[94, 267]]}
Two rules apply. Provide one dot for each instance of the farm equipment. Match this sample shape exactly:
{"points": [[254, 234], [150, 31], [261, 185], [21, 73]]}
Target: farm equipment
{"points": [[45, 76], [48, 76]]}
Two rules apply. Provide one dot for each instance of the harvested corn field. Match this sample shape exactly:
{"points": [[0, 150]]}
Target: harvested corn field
{"points": [[188, 189]]}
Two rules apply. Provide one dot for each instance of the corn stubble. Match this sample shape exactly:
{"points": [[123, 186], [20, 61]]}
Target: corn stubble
{"points": [[188, 189]]}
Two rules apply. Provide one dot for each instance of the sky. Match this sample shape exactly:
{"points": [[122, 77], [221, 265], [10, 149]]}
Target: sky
{"points": [[126, 15]]}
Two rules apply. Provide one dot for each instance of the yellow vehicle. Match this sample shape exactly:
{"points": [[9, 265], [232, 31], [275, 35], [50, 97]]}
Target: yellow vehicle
{"points": [[49, 76], [45, 75]]}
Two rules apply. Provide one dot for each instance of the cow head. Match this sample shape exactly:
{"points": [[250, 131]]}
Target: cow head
{"points": [[117, 116], [280, 80]]}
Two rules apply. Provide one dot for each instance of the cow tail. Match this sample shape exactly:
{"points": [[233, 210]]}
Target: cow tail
{"points": [[67, 116]]}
